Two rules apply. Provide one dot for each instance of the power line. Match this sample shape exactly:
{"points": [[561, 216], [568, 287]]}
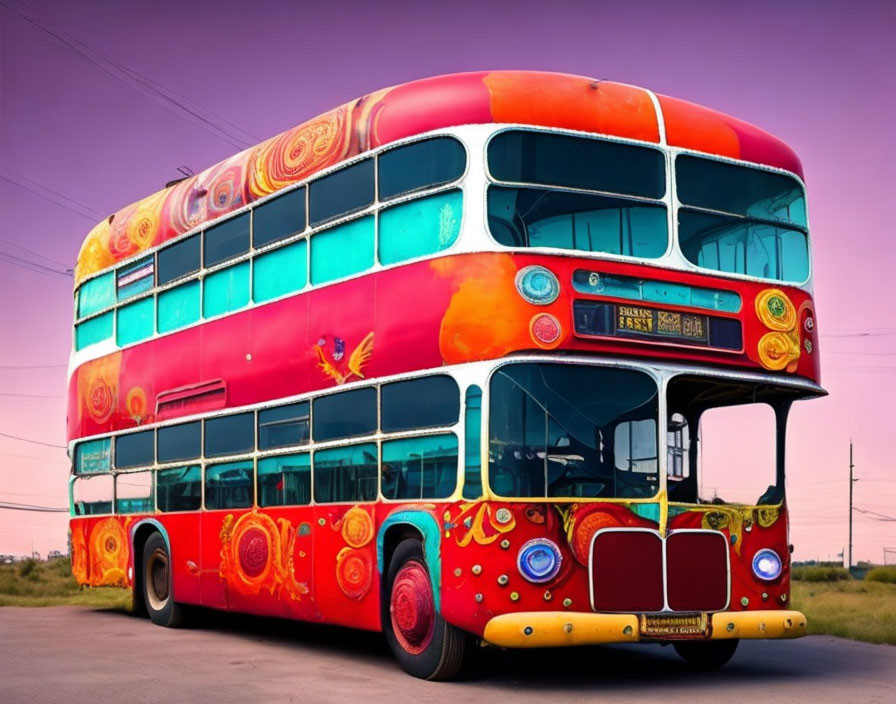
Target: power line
{"points": [[37, 267], [874, 514], [150, 89], [88, 211], [33, 442], [31, 251], [27, 507], [52, 200]]}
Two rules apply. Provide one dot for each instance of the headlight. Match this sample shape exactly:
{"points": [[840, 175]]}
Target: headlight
{"points": [[539, 560], [767, 565], [537, 285]]}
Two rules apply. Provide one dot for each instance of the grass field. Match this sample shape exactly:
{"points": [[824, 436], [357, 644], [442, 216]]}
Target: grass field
{"points": [[858, 609], [33, 583]]}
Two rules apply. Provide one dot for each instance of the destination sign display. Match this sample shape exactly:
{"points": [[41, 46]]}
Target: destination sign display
{"points": [[650, 321], [600, 319]]}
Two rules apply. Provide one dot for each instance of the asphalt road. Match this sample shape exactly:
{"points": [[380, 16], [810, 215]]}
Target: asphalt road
{"points": [[77, 656]]}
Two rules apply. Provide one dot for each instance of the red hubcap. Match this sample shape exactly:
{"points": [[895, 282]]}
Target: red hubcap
{"points": [[412, 608]]}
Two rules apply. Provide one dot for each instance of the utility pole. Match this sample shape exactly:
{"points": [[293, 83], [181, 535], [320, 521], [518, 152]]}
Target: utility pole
{"points": [[851, 482]]}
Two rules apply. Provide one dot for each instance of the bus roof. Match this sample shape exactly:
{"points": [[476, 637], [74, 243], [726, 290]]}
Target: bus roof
{"points": [[525, 97]]}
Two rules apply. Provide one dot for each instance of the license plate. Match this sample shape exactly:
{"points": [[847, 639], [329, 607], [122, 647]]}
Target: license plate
{"points": [[674, 625]]}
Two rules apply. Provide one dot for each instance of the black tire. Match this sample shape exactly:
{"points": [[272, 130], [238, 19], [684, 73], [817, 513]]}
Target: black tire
{"points": [[423, 643], [706, 655], [158, 595]]}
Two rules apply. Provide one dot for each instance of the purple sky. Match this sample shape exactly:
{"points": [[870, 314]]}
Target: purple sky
{"points": [[80, 137]]}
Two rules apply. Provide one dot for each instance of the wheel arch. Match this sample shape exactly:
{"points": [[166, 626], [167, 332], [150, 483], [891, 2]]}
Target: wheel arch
{"points": [[140, 532], [418, 525]]}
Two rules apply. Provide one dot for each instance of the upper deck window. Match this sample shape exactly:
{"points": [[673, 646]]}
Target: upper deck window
{"points": [[279, 218], [577, 162], [345, 191], [179, 259], [742, 220], [621, 215], [226, 240], [421, 165]]}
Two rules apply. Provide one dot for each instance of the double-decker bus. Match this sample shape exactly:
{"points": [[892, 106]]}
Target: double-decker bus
{"points": [[503, 356]]}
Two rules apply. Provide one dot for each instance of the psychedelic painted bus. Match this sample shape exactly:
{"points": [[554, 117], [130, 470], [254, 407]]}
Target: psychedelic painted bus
{"points": [[504, 356]]}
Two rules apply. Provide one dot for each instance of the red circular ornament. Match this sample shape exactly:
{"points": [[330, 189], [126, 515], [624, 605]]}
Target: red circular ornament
{"points": [[253, 552]]}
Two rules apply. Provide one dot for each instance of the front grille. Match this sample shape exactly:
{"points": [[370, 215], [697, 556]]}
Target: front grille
{"points": [[627, 572], [696, 571]]}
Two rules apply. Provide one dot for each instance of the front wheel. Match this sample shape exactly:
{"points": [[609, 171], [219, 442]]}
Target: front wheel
{"points": [[423, 643], [157, 592], [706, 655]]}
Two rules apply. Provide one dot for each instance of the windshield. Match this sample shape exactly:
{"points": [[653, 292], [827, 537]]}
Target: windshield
{"points": [[725, 441], [564, 430]]}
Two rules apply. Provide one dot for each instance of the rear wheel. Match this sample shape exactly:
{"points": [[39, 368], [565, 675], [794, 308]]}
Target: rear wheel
{"points": [[424, 645], [157, 592], [706, 654]]}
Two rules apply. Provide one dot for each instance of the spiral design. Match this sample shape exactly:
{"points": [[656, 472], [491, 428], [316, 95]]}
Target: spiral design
{"points": [[777, 350], [100, 399], [776, 310], [354, 573], [226, 186], [298, 152], [357, 528], [108, 553], [135, 403]]}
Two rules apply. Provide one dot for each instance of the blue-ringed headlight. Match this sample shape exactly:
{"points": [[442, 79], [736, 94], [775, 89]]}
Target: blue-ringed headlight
{"points": [[539, 560], [537, 285], [767, 565]]}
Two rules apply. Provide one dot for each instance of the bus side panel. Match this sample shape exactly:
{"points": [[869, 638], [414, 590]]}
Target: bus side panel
{"points": [[214, 589], [185, 534], [346, 581]]}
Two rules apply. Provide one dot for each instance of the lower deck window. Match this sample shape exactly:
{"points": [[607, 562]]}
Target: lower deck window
{"points": [[92, 495], [420, 468], [179, 489], [133, 493], [284, 480], [229, 485], [346, 474]]}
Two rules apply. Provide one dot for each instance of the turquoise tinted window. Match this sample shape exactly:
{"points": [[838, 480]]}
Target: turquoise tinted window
{"points": [[342, 251], [472, 440], [420, 468], [346, 473], [534, 217], [135, 321], [94, 330], [280, 272], [419, 227], [741, 246], [226, 290], [96, 294], [178, 306], [284, 480], [93, 456], [229, 485]]}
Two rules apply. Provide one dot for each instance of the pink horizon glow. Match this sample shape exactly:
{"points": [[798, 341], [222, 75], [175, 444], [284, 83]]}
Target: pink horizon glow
{"points": [[818, 75]]}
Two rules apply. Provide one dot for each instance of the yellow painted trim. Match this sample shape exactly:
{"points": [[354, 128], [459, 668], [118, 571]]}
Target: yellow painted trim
{"points": [[758, 624], [552, 629]]}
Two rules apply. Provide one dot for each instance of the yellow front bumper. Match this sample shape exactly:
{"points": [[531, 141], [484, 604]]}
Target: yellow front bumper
{"points": [[550, 629]]}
